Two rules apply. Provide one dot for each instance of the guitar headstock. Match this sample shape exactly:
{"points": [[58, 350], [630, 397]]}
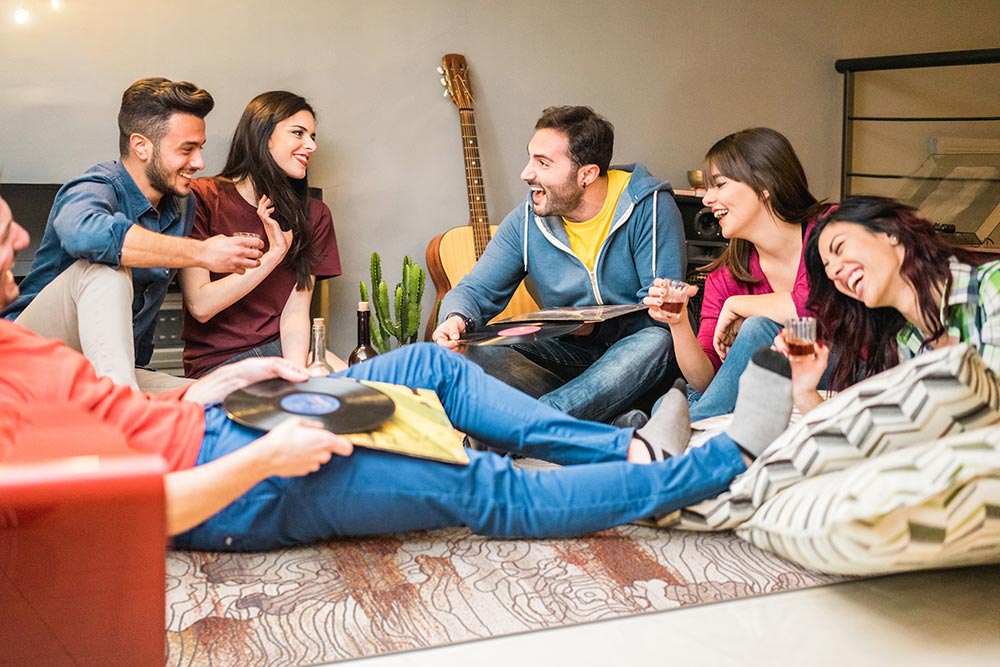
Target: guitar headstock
{"points": [[456, 80]]}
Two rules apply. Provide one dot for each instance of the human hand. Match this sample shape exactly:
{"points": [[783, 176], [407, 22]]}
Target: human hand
{"points": [[230, 254], [726, 328], [300, 446], [657, 297], [806, 370], [224, 380], [448, 333], [278, 241]]}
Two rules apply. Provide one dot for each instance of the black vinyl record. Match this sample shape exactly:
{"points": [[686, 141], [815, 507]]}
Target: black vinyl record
{"points": [[343, 405], [512, 333]]}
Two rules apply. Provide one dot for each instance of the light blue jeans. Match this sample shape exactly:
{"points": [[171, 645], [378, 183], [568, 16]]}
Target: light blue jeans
{"points": [[374, 492], [581, 375], [719, 398]]}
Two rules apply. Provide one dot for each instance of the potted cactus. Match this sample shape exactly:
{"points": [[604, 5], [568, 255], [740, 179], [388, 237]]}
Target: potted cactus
{"points": [[400, 320]]}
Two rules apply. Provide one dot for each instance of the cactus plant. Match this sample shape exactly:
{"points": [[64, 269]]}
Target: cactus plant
{"points": [[406, 310]]}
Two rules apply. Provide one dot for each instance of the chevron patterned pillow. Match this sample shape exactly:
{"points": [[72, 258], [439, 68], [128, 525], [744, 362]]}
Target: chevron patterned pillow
{"points": [[942, 392], [933, 505]]}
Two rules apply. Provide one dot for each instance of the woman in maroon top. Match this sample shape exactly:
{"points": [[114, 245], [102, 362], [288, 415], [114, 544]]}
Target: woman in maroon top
{"points": [[758, 192], [262, 190]]}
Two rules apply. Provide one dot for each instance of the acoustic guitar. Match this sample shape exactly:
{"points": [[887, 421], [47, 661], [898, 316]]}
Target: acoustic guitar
{"points": [[453, 254]]}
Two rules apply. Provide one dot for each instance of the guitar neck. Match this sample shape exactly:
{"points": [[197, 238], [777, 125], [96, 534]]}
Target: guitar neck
{"points": [[478, 217]]}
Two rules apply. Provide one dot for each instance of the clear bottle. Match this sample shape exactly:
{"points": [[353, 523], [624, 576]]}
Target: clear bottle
{"points": [[365, 349], [317, 357]]}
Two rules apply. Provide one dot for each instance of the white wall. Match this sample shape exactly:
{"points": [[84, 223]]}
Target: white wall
{"points": [[672, 76]]}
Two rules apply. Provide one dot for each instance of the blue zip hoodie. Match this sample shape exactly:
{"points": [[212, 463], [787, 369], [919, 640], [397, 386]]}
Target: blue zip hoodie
{"points": [[646, 241]]}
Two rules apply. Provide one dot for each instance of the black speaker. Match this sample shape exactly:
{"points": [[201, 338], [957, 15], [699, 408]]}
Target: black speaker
{"points": [[699, 223]]}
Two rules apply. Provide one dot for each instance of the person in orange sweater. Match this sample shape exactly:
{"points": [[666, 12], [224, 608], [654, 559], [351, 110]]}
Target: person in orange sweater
{"points": [[230, 487]]}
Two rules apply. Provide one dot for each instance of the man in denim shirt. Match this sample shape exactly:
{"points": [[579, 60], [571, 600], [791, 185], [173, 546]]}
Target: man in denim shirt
{"points": [[117, 235]]}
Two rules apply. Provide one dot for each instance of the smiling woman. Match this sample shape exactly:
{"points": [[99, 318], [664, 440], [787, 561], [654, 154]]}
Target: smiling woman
{"points": [[885, 287], [757, 190], [262, 191]]}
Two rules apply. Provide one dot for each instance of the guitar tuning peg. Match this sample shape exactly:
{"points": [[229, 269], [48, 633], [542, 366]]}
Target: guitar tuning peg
{"points": [[440, 70], [444, 82], [445, 94]]}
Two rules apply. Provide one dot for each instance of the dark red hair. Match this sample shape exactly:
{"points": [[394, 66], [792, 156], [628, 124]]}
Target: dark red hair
{"points": [[863, 338]]}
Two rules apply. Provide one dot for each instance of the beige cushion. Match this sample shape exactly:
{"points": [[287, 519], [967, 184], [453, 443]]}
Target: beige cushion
{"points": [[934, 505], [940, 393]]}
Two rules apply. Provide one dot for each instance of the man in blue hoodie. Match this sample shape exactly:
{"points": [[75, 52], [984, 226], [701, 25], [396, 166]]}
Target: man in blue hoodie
{"points": [[588, 234]]}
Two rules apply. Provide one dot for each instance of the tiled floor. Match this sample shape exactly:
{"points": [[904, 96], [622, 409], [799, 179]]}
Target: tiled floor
{"points": [[940, 619]]}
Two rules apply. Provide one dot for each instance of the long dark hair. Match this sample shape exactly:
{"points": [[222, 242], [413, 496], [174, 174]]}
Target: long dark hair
{"points": [[866, 337], [762, 159], [250, 157]]}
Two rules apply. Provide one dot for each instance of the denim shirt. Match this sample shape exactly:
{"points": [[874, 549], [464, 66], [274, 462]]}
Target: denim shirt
{"points": [[89, 219]]}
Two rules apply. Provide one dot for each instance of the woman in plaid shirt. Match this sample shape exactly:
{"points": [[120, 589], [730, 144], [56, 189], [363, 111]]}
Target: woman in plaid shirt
{"points": [[886, 288]]}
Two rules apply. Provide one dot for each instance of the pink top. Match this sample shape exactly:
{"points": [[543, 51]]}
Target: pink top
{"points": [[720, 285]]}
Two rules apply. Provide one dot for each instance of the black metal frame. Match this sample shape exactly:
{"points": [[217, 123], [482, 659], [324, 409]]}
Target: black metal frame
{"points": [[849, 67]]}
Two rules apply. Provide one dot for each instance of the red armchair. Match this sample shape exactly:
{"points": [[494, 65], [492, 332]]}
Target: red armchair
{"points": [[82, 543]]}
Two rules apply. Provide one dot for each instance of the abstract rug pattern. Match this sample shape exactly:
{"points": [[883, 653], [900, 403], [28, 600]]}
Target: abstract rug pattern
{"points": [[356, 597]]}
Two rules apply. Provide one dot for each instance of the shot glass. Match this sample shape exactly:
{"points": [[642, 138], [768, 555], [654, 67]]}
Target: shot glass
{"points": [[676, 296], [800, 337]]}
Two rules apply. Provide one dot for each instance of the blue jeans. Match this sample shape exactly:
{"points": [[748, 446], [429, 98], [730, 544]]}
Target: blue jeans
{"points": [[719, 398], [373, 492], [583, 376]]}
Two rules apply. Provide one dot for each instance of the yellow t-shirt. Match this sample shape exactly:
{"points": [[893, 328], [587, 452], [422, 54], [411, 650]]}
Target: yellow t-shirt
{"points": [[585, 238]]}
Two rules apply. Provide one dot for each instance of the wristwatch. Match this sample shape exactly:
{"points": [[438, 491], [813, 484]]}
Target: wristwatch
{"points": [[470, 324]]}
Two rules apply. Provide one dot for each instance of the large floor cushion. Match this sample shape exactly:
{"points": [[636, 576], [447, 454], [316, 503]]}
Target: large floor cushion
{"points": [[943, 392], [935, 505]]}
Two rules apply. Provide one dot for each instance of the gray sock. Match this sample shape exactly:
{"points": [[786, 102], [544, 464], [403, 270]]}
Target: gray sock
{"points": [[764, 402], [668, 431]]}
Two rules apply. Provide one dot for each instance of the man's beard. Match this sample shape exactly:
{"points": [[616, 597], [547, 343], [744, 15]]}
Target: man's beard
{"points": [[159, 177], [560, 201]]}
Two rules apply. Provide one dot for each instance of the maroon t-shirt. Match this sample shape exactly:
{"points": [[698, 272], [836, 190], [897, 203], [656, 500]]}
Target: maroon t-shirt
{"points": [[254, 319]]}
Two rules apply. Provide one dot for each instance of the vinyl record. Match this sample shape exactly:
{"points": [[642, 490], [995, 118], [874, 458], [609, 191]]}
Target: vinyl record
{"points": [[510, 333], [343, 405]]}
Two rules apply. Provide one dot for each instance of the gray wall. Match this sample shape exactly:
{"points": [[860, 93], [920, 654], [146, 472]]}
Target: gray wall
{"points": [[672, 76]]}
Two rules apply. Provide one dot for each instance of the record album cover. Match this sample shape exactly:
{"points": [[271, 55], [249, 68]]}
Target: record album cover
{"points": [[419, 426], [598, 313]]}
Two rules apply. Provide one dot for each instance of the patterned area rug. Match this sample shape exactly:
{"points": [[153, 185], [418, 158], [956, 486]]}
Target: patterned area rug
{"points": [[356, 597]]}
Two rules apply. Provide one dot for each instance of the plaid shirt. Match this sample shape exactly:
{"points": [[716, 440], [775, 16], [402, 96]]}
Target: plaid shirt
{"points": [[972, 313]]}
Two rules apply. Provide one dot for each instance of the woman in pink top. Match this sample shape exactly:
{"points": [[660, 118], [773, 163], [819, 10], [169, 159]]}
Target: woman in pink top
{"points": [[758, 192]]}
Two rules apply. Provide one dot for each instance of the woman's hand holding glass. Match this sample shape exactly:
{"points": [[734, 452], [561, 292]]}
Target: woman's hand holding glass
{"points": [[806, 371], [667, 301]]}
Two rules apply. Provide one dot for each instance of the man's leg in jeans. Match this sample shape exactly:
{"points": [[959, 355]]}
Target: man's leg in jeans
{"points": [[89, 307], [510, 366], [614, 382], [374, 492], [720, 396], [488, 409]]}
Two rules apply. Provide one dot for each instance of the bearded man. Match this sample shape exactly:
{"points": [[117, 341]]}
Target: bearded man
{"points": [[588, 234], [117, 235]]}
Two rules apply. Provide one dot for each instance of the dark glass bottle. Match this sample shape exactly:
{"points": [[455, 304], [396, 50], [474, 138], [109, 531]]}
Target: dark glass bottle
{"points": [[364, 350]]}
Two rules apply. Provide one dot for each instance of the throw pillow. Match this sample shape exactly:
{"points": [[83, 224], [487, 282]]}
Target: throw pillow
{"points": [[936, 394], [927, 506]]}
